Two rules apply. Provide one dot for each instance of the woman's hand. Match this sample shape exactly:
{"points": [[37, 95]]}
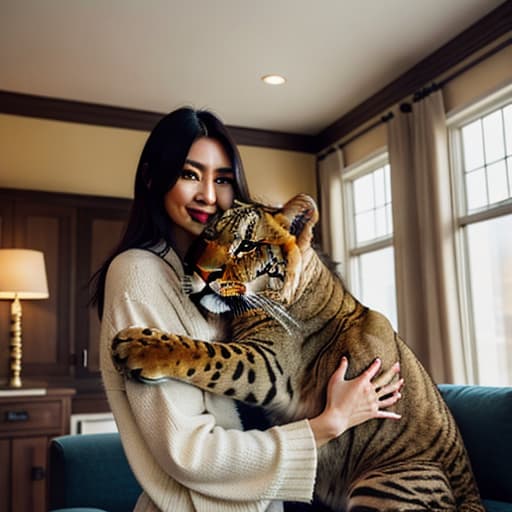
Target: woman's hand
{"points": [[351, 402]]}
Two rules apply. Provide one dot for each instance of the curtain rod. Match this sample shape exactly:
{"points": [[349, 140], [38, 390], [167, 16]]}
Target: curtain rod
{"points": [[425, 91], [418, 96], [384, 119]]}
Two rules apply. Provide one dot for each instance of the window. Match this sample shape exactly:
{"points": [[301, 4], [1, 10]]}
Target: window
{"points": [[371, 269], [481, 146]]}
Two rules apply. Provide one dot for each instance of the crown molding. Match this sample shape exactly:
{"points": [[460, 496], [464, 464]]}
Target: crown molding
{"points": [[103, 115], [482, 33]]}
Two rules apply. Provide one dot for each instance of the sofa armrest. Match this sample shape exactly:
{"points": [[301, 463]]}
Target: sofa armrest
{"points": [[484, 417], [91, 471]]}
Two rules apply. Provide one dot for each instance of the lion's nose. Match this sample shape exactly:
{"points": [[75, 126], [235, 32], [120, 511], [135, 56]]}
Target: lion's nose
{"points": [[228, 288]]}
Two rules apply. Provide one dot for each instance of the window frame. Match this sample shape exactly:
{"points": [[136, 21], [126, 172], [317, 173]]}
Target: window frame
{"points": [[373, 162], [455, 120]]}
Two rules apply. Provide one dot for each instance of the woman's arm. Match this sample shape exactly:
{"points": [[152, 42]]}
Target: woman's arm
{"points": [[202, 451]]}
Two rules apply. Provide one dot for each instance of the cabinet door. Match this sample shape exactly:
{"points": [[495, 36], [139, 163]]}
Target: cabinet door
{"points": [[5, 472], [6, 213], [99, 232], [6, 241], [47, 332], [29, 466]]}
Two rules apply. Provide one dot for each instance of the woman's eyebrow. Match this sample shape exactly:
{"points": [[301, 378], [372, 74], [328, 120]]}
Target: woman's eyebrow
{"points": [[193, 163], [202, 167]]}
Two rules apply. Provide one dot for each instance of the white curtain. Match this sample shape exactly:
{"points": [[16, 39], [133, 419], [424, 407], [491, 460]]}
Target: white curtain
{"points": [[331, 203], [429, 318]]}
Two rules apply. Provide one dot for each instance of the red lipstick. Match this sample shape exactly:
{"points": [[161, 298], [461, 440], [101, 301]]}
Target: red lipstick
{"points": [[199, 216]]}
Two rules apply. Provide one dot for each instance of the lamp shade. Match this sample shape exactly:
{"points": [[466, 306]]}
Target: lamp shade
{"points": [[22, 274]]}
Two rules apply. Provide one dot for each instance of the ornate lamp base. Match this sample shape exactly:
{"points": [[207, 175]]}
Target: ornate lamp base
{"points": [[15, 345]]}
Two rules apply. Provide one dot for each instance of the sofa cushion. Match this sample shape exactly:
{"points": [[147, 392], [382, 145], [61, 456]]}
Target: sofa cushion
{"points": [[80, 509], [484, 417], [91, 470], [497, 506]]}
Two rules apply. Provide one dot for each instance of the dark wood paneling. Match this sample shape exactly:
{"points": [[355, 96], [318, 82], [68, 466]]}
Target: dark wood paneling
{"points": [[6, 216], [28, 455], [100, 231], [85, 403], [75, 232], [24, 445], [5, 474], [47, 334], [76, 111]]}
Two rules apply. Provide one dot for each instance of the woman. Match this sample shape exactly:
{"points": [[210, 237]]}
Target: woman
{"points": [[184, 445]]}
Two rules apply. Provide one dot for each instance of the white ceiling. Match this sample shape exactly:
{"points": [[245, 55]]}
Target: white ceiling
{"points": [[160, 54]]}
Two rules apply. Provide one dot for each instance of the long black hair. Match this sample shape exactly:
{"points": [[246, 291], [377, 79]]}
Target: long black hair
{"points": [[160, 165]]}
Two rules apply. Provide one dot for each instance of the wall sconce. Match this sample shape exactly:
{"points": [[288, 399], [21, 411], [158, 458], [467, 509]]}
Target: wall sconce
{"points": [[22, 276]]}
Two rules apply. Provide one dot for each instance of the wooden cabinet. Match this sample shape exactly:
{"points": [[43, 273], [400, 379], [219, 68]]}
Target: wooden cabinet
{"points": [[27, 423], [60, 334], [99, 229], [49, 228]]}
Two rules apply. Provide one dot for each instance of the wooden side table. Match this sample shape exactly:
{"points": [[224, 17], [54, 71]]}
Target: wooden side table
{"points": [[29, 418]]}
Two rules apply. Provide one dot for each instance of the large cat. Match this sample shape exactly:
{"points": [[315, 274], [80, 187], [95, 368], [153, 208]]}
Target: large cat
{"points": [[293, 320]]}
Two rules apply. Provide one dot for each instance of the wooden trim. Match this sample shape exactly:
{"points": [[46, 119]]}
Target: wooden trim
{"points": [[87, 403], [477, 36], [275, 140], [65, 199], [102, 115]]}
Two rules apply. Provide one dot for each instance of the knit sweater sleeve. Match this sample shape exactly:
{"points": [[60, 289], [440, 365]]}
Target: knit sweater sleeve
{"points": [[193, 442]]}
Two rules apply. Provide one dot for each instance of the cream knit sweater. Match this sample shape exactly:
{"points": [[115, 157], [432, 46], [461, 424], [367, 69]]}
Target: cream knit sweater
{"points": [[184, 445]]}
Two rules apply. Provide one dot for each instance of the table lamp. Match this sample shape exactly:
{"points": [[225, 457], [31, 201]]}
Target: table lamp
{"points": [[22, 276]]}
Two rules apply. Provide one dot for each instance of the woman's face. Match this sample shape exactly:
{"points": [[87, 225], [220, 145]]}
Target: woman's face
{"points": [[206, 185]]}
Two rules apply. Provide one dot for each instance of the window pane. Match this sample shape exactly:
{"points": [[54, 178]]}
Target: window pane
{"points": [[365, 227], [507, 115], [372, 200], [381, 228], [363, 193], [490, 262], [476, 189], [379, 187], [389, 219], [509, 167], [387, 176], [493, 137], [473, 146], [497, 181], [376, 279]]}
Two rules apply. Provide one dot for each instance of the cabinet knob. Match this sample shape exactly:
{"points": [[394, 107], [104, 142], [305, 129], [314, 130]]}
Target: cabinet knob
{"points": [[85, 358], [38, 473]]}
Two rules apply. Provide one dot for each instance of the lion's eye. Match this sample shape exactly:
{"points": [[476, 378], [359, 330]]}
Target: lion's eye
{"points": [[244, 247]]}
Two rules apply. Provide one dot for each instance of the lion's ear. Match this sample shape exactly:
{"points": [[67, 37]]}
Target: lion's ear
{"points": [[299, 216]]}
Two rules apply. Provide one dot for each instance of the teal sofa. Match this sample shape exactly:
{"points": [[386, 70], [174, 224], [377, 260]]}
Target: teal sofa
{"points": [[89, 473]]}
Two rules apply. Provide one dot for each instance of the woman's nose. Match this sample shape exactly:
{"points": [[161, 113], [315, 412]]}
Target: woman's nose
{"points": [[207, 192]]}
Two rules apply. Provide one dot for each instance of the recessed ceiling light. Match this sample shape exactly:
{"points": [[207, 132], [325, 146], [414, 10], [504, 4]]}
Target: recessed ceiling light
{"points": [[274, 79]]}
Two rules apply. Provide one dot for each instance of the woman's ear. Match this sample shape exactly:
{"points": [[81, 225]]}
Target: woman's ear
{"points": [[299, 216]]}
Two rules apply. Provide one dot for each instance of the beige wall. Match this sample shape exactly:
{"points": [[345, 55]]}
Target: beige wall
{"points": [[475, 83], [275, 175], [41, 154], [58, 156]]}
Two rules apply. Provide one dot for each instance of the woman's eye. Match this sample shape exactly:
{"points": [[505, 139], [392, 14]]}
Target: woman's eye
{"points": [[187, 174], [224, 180]]}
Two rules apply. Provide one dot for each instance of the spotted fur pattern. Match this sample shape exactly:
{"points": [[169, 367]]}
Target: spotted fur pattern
{"points": [[293, 320]]}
